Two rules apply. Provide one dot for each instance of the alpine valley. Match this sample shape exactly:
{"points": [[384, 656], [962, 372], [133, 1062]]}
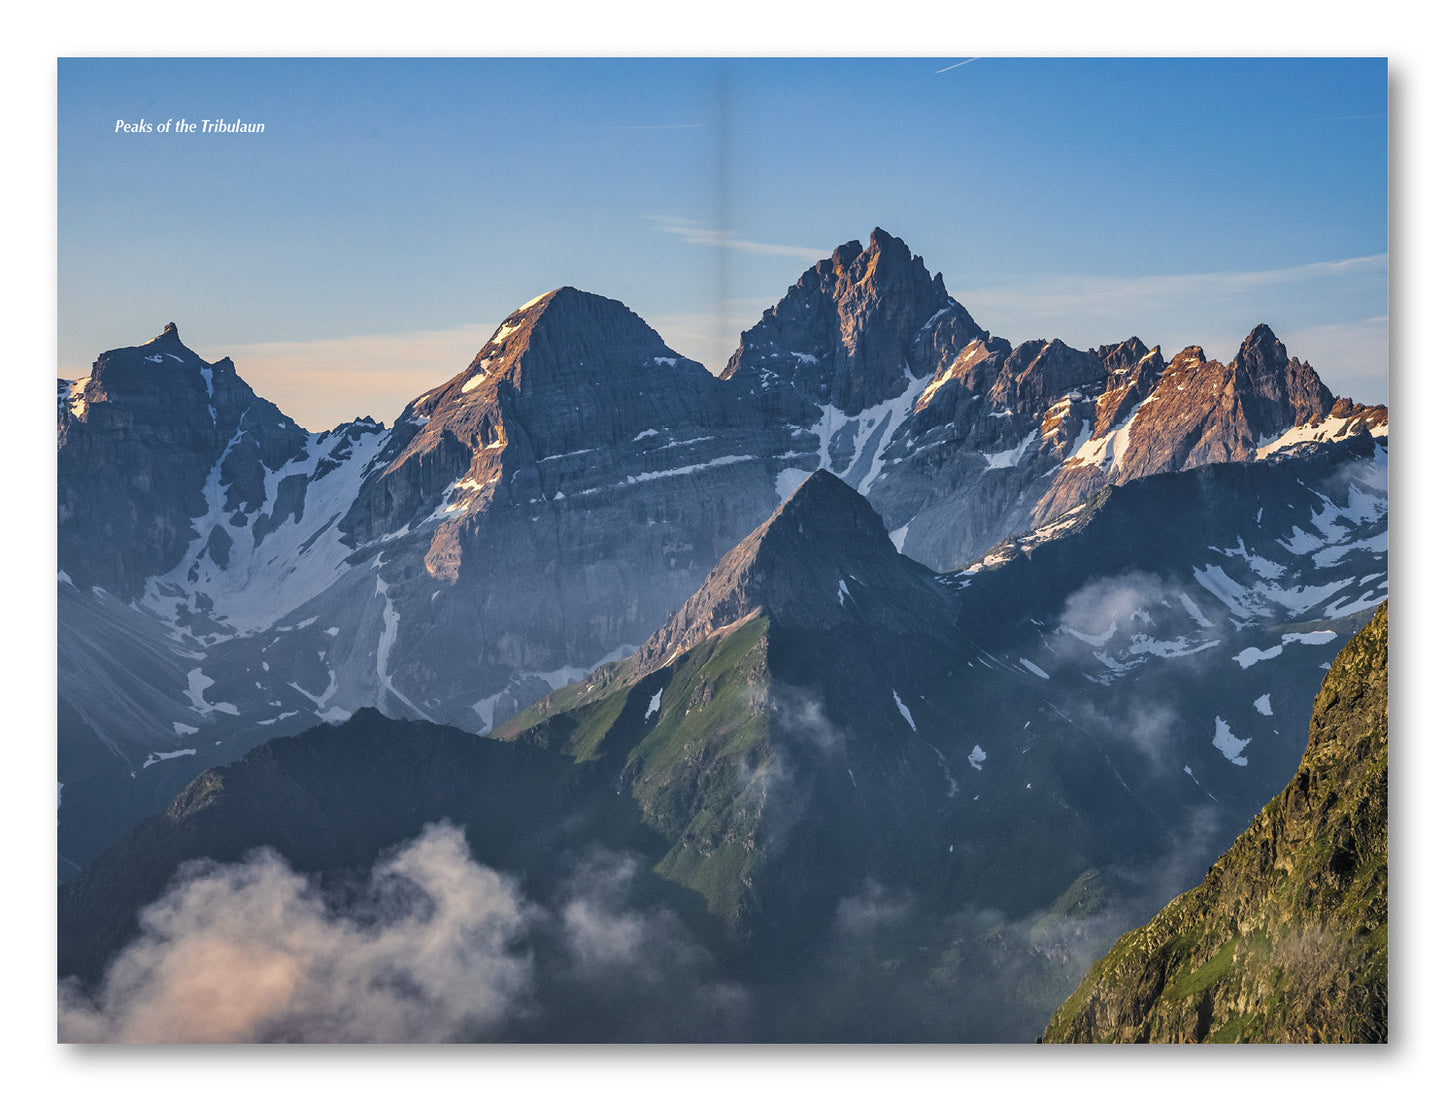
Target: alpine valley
{"points": [[868, 691]]}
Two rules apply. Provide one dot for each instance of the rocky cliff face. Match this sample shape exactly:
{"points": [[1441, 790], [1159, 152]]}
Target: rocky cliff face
{"points": [[807, 734], [1287, 938], [544, 510], [853, 332], [136, 440], [812, 565], [550, 505], [960, 439]]}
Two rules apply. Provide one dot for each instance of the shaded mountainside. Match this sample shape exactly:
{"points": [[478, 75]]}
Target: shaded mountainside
{"points": [[801, 736], [889, 805], [795, 779], [136, 440], [1287, 938], [332, 798]]}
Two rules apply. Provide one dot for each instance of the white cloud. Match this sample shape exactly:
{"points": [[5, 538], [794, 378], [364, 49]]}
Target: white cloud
{"points": [[251, 952]]}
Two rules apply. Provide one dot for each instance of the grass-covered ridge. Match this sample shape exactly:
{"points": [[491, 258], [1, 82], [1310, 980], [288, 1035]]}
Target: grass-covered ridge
{"points": [[1287, 938]]}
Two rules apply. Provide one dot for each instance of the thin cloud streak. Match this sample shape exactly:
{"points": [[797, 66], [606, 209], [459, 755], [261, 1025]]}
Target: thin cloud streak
{"points": [[657, 126], [947, 68], [694, 233], [1069, 292]]}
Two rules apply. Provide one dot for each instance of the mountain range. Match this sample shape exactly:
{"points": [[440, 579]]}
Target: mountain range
{"points": [[895, 644]]}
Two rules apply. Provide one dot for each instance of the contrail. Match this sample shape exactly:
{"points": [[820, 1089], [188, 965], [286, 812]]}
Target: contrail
{"points": [[955, 66]]}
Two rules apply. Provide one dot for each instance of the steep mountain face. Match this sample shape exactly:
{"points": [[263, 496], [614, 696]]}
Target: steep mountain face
{"points": [[1286, 939], [182, 520], [137, 438], [796, 570], [1054, 738], [542, 511], [960, 439], [853, 333], [742, 696], [794, 779], [550, 505]]}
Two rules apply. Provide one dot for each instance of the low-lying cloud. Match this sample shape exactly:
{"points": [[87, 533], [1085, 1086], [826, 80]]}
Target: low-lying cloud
{"points": [[431, 947], [1110, 604], [430, 951]]}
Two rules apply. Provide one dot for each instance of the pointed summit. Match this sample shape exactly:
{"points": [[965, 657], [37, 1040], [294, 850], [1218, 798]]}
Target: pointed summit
{"points": [[821, 560], [825, 508], [135, 452], [1261, 337], [568, 374], [168, 339], [1275, 391], [854, 330], [557, 345]]}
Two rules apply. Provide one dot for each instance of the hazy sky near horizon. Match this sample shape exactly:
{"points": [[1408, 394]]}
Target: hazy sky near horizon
{"points": [[362, 248]]}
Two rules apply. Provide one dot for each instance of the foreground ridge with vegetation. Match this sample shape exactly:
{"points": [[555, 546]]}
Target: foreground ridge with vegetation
{"points": [[1286, 939]]}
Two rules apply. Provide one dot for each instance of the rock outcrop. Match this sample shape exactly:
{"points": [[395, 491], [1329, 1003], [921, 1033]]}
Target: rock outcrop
{"points": [[1287, 938]]}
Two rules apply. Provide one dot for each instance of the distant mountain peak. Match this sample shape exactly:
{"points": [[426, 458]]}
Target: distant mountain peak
{"points": [[825, 506], [854, 330], [167, 340]]}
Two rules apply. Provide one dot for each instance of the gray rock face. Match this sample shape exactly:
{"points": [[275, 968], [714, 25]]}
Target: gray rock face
{"points": [[851, 333], [553, 503], [136, 439], [544, 510]]}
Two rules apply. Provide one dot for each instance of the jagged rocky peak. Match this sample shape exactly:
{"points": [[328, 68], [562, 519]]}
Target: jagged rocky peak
{"points": [[165, 383], [170, 332], [823, 559], [1041, 372], [1204, 411], [138, 439], [1276, 390], [854, 329]]}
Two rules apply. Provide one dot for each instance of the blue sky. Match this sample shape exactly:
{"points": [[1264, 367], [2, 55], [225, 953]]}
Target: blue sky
{"points": [[394, 211]]}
